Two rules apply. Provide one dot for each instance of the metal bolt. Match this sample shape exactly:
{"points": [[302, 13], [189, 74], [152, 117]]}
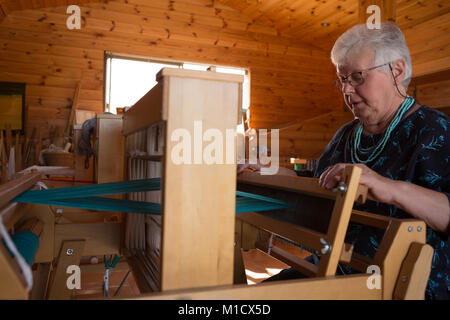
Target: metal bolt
{"points": [[326, 246], [69, 252], [419, 228], [341, 188], [59, 211], [404, 278], [410, 229]]}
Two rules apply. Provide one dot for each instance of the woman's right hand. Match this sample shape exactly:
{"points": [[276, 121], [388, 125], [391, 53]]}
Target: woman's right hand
{"points": [[252, 167]]}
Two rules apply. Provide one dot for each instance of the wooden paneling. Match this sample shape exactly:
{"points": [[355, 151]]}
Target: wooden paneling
{"points": [[309, 138], [424, 22], [290, 80], [37, 48], [433, 90]]}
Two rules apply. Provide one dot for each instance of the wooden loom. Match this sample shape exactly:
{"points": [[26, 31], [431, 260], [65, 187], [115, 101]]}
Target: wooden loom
{"points": [[189, 253], [193, 249]]}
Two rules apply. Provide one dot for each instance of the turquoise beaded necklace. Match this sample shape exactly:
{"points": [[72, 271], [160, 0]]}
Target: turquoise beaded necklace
{"points": [[373, 152]]}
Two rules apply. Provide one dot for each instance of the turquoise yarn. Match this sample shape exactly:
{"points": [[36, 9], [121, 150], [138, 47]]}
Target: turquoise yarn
{"points": [[27, 243], [87, 197], [372, 153]]}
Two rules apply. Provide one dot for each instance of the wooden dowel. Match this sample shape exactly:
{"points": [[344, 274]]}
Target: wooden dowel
{"points": [[13, 188], [300, 184], [299, 264], [296, 234]]}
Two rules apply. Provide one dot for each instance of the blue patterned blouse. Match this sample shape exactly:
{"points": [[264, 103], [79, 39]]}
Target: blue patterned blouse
{"points": [[418, 152]]}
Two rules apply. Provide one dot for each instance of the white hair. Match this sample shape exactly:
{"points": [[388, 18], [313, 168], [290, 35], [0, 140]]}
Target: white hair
{"points": [[387, 43]]}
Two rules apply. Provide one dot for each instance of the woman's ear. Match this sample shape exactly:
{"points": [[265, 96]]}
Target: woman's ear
{"points": [[398, 69]]}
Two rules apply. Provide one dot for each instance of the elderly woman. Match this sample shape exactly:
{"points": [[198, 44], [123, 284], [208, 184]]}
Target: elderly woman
{"points": [[402, 147]]}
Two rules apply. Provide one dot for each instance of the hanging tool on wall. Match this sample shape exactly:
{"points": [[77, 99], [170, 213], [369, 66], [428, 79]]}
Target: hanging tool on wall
{"points": [[69, 125], [29, 147]]}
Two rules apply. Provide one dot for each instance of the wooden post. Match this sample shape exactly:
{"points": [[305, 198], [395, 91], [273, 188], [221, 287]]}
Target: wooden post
{"points": [[4, 159], [413, 277], [198, 222], [12, 282], [41, 278], [339, 222], [239, 268], [393, 249], [70, 254]]}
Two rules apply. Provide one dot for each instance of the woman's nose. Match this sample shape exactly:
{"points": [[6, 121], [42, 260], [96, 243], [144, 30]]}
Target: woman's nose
{"points": [[347, 87]]}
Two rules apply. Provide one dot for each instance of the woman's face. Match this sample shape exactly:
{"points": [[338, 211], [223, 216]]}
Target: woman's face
{"points": [[373, 101]]}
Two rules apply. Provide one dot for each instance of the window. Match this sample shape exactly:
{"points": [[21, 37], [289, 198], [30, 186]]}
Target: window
{"points": [[128, 78]]}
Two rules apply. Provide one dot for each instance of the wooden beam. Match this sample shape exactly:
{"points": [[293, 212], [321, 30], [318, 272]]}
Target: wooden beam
{"points": [[296, 234], [41, 279], [239, 268], [101, 238], [12, 213], [192, 255], [431, 77], [13, 283], [70, 254], [13, 188], [340, 219], [299, 264], [299, 184], [414, 274], [394, 248], [351, 287], [144, 112]]}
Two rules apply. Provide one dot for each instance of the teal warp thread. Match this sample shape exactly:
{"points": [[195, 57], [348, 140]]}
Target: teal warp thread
{"points": [[100, 189], [87, 197], [243, 204], [373, 152], [27, 243], [105, 204]]}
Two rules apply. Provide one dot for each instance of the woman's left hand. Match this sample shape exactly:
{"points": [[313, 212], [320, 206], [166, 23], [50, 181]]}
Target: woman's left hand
{"points": [[379, 187]]}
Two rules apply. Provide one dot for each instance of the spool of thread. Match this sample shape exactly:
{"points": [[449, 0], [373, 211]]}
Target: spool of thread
{"points": [[27, 243]]}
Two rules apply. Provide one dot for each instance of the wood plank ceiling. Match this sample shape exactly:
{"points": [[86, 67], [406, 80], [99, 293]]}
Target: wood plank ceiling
{"points": [[317, 22], [276, 39], [322, 21]]}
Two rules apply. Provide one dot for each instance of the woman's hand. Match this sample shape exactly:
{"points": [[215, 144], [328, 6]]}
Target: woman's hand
{"points": [[247, 165], [257, 167], [422, 203], [379, 187]]}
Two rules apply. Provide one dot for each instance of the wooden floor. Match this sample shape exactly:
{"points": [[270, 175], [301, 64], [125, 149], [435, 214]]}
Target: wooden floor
{"points": [[258, 267]]}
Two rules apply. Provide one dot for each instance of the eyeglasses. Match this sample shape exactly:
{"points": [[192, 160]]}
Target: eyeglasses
{"points": [[355, 78]]}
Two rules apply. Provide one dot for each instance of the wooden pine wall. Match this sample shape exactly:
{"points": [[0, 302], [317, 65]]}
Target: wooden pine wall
{"points": [[287, 78]]}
